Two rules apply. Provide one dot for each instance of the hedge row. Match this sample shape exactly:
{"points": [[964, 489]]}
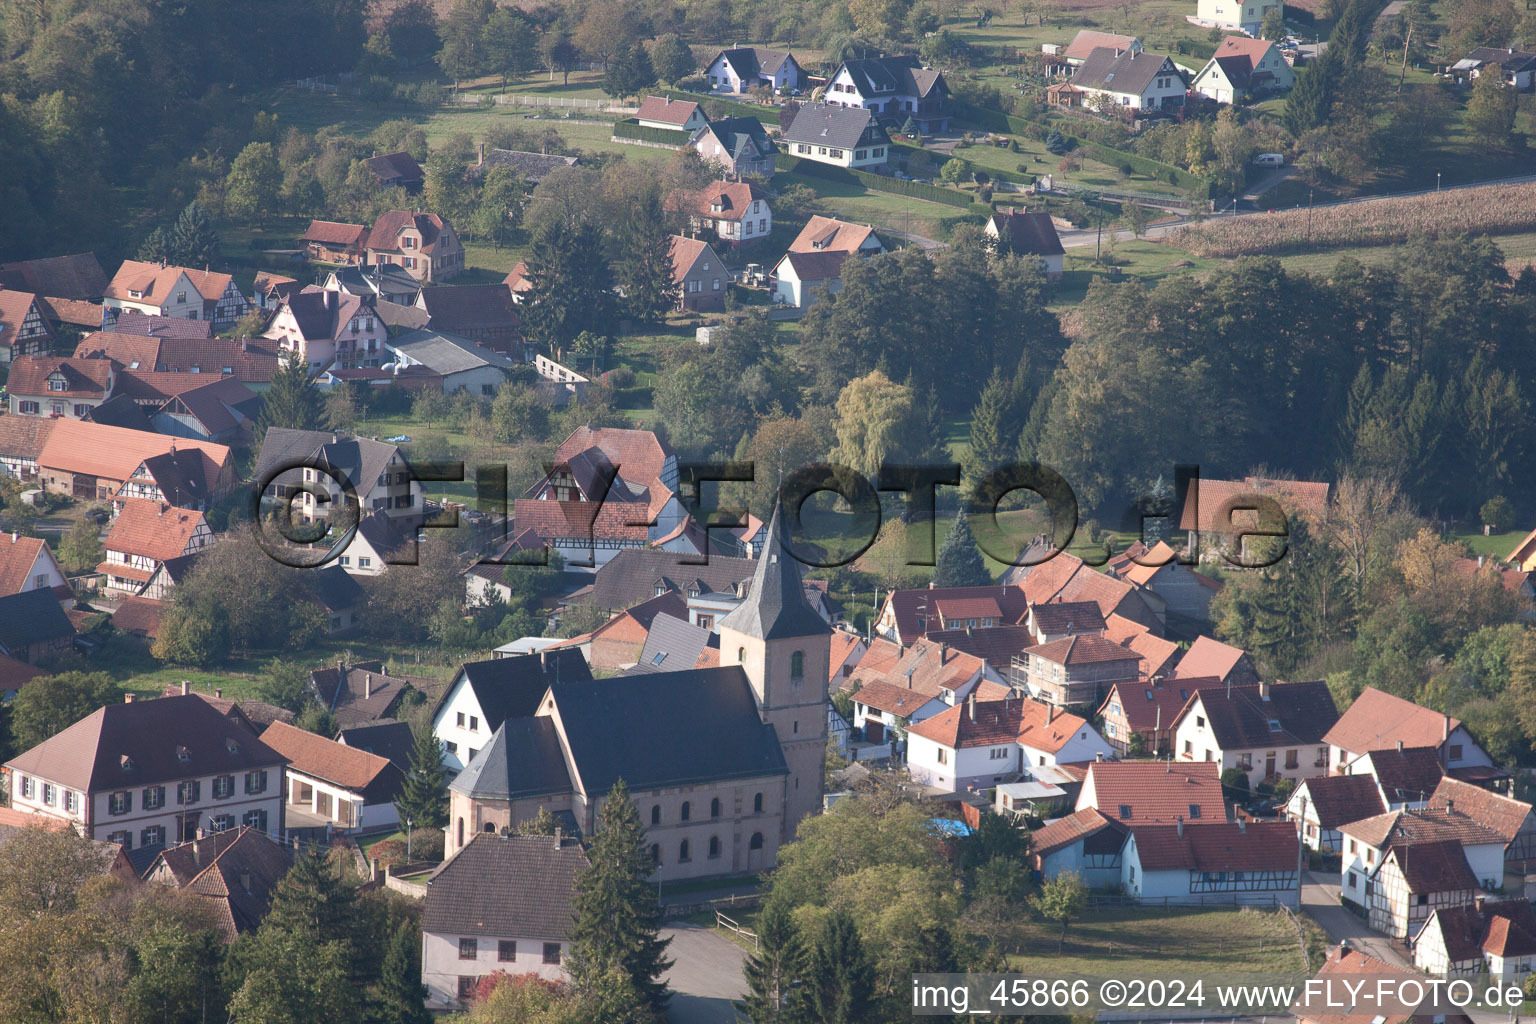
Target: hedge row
{"points": [[629, 128], [767, 115], [875, 182]]}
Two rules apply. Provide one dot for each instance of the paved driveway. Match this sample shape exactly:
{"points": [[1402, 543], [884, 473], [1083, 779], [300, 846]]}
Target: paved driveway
{"points": [[706, 976], [1320, 900]]}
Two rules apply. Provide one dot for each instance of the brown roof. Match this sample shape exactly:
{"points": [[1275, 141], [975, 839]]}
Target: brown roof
{"points": [[582, 519], [639, 454], [996, 645], [466, 308], [1042, 727], [1087, 40], [1208, 657], [14, 308], [916, 611], [517, 278], [1379, 721], [143, 743], [1063, 832], [1031, 233], [366, 694], [1083, 650], [1259, 715], [249, 360], [685, 253], [1439, 866], [1155, 792], [1407, 828], [1340, 799], [515, 887], [70, 277], [152, 529], [1219, 846], [348, 767], [330, 232], [843, 646], [385, 236], [17, 557], [897, 700], [401, 167], [75, 312], [668, 111], [154, 281], [991, 722], [1158, 655], [23, 437], [1147, 707], [830, 234], [16, 674], [1067, 617], [83, 378], [734, 198], [1314, 1008], [1504, 928], [115, 452], [1505, 815], [1216, 496], [1410, 774], [139, 615], [234, 871]]}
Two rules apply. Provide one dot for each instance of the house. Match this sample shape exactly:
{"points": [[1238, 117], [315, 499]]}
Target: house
{"points": [[698, 276], [251, 715], [268, 289], [397, 170], [222, 410], [28, 563], [1267, 731], [978, 744], [73, 315], [502, 904], [828, 234], [736, 147], [675, 115], [1186, 594], [674, 643], [177, 292], [534, 167], [22, 439], [1159, 655], [1217, 510], [33, 626], [152, 325], [1323, 996], [1496, 938], [1405, 776], [1088, 40], [151, 771], [1243, 68], [1046, 577], [1245, 16], [1367, 842], [95, 462], [1137, 793], [463, 363], [484, 694], [392, 741], [329, 241], [843, 136], [24, 329], [232, 873], [423, 244], [908, 615], [387, 283], [339, 595], [1085, 842], [1325, 803], [76, 277], [1129, 79], [329, 328], [349, 789], [362, 693], [145, 534], [484, 313], [376, 472], [1223, 862], [1028, 234], [380, 541], [1507, 816], [1146, 708], [1074, 670], [139, 616], [898, 88], [1518, 67], [1414, 881], [800, 278], [744, 68], [166, 349], [736, 211], [1379, 721]]}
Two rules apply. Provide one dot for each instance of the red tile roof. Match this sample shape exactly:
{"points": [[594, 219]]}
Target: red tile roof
{"points": [[1505, 815], [16, 674], [1379, 721], [1087, 40], [152, 529], [1063, 832], [982, 724], [667, 111], [1410, 774], [1250, 717], [1215, 497], [685, 253], [14, 309], [735, 199], [893, 699], [330, 232], [154, 281], [1409, 828], [1155, 792], [1314, 1008], [350, 768], [23, 437], [584, 520], [1207, 657], [1439, 866], [1083, 650], [967, 608], [115, 452], [916, 611], [1221, 846], [75, 312], [139, 615], [639, 454], [1147, 707], [17, 557], [385, 236]]}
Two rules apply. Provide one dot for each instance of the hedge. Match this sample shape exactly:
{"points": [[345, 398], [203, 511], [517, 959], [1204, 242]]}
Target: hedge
{"points": [[875, 182], [630, 128], [767, 115]]}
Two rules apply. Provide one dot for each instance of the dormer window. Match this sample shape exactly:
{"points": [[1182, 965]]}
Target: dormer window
{"points": [[126, 763], [56, 383], [231, 746], [134, 293], [183, 754]]}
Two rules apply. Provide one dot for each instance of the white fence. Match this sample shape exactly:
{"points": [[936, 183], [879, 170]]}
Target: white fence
{"points": [[519, 99]]}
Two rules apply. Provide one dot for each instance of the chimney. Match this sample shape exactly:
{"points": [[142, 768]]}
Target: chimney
{"points": [[218, 694], [367, 685], [186, 687], [1098, 755], [543, 660], [1263, 689], [1181, 826], [1050, 713], [1242, 823], [162, 509], [480, 155], [971, 705], [559, 836], [128, 698], [1399, 746], [1450, 807]]}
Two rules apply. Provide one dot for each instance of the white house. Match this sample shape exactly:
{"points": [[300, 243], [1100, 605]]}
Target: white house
{"points": [[1492, 937], [1367, 842], [502, 903], [27, 563], [1412, 882], [486, 693], [1234, 15], [800, 278], [1324, 803], [1084, 841], [897, 87], [1136, 793], [463, 364], [661, 112], [1267, 731], [329, 328], [736, 211], [150, 773], [1131, 79], [177, 292], [840, 136], [346, 787], [744, 68], [1242, 68], [976, 744], [1379, 721], [1222, 862], [1405, 777], [1028, 234]]}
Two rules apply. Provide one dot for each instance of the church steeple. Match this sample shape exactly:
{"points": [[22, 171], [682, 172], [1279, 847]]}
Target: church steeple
{"points": [[776, 607]]}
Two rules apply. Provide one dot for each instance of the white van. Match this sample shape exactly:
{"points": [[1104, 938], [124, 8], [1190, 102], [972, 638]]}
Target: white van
{"points": [[1269, 160]]}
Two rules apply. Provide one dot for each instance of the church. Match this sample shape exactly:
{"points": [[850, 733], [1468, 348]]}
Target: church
{"points": [[722, 763]]}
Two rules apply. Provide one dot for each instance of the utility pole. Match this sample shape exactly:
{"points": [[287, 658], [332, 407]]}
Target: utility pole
{"points": [[1100, 238], [1309, 216], [1403, 73]]}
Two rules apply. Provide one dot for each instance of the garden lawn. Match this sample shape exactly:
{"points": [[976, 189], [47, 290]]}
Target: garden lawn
{"points": [[880, 209], [1499, 545]]}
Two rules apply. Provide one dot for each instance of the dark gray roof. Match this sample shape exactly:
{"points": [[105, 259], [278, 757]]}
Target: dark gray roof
{"points": [[60, 277], [632, 575], [672, 644], [507, 887], [392, 740], [180, 477], [904, 76], [361, 459], [1121, 71], [180, 567], [150, 325], [1510, 61], [445, 353], [532, 166], [823, 124], [32, 616], [512, 687], [404, 317], [699, 726], [523, 759], [1032, 233], [119, 411], [335, 589], [400, 168], [740, 136], [776, 605]]}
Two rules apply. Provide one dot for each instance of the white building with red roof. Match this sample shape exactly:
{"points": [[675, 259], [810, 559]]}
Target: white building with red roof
{"points": [[1137, 793], [977, 744], [1379, 721], [736, 211], [424, 245], [676, 115], [1242, 68], [146, 534], [24, 327], [177, 292], [1224, 862]]}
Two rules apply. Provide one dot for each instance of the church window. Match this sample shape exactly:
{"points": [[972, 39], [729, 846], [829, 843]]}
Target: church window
{"points": [[682, 850], [714, 808], [757, 841], [797, 665], [741, 654], [656, 814], [757, 804], [656, 853], [687, 810], [714, 846]]}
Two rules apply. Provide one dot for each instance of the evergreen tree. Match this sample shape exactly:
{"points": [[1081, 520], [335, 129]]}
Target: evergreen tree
{"points": [[156, 247], [291, 400], [994, 429], [311, 900], [1055, 142], [617, 916], [423, 799], [401, 993], [645, 269], [619, 75], [842, 984], [571, 285], [959, 562], [642, 73], [1311, 97], [193, 242], [781, 961]]}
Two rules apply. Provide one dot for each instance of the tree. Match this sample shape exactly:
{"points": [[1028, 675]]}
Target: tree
{"points": [[463, 31], [292, 400], [448, 191], [285, 684], [193, 242], [775, 971], [618, 919], [423, 799], [1273, 25], [508, 43], [571, 284], [842, 982], [1234, 786], [1140, 218], [628, 70], [559, 54], [49, 704], [80, 549], [1061, 899], [645, 267], [401, 994], [503, 193], [959, 562], [1311, 98], [1497, 513], [671, 58], [1491, 108], [156, 247], [254, 181], [877, 421], [1056, 142]]}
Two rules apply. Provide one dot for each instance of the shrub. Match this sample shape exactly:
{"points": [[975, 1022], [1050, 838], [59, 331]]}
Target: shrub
{"points": [[390, 853], [620, 377], [1056, 143], [426, 844], [693, 83]]}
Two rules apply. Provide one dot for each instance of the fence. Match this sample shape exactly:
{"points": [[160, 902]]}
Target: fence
{"points": [[721, 921], [1116, 899], [518, 99], [734, 108]]}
